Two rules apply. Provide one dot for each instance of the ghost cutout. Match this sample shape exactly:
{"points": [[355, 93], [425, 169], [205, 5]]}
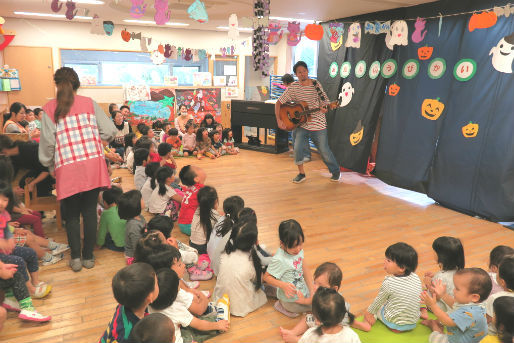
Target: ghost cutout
{"points": [[108, 27], [354, 36], [398, 35], [503, 54], [157, 57], [233, 27], [97, 27], [346, 94]]}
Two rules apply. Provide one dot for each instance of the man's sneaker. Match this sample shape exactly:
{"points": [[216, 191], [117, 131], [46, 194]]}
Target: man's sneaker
{"points": [[60, 249], [33, 316], [335, 177], [299, 178], [11, 304], [53, 259]]}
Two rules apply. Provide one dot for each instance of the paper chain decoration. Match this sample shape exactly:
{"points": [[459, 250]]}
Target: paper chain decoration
{"points": [[260, 37]]}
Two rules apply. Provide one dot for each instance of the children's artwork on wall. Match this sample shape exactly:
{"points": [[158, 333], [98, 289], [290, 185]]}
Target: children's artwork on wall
{"points": [[314, 31], [70, 8], [295, 35], [56, 6], [160, 105], [202, 79], [199, 102], [188, 54], [138, 8], [198, 12], [170, 80], [346, 94], [398, 35], [157, 57], [125, 35], [377, 27], [482, 20], [503, 54], [419, 34], [231, 92], [145, 41], [220, 81], [275, 32], [97, 26], [108, 27], [134, 92], [233, 27], [196, 57], [336, 35], [354, 36], [162, 12]]}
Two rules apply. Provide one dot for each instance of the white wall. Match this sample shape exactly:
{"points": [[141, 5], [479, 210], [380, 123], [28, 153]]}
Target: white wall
{"points": [[76, 35]]}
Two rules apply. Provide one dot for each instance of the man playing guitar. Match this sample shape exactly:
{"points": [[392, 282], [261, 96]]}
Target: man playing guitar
{"points": [[309, 91]]}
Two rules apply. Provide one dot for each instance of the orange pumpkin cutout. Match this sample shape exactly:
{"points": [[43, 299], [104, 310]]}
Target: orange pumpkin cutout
{"points": [[425, 52], [125, 35], [394, 89], [160, 48], [314, 31], [356, 136], [483, 20], [432, 109], [470, 130]]}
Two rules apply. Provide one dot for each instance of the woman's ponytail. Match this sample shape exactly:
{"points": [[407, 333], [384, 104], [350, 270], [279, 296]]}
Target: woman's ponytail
{"points": [[67, 82]]}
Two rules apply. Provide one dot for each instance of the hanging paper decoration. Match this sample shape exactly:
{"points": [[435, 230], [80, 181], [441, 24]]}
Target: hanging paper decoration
{"points": [[374, 70], [198, 12], [440, 25], [167, 50], [336, 35], [125, 35], [394, 89], [314, 31], [425, 52], [173, 53], [360, 69], [233, 27], [470, 130], [275, 32], [354, 36], [346, 94], [333, 69], [503, 54], [436, 68], [108, 27], [295, 35], [398, 35], [160, 48], [410, 69], [345, 70], [356, 136], [162, 12], [504, 11], [377, 27], [134, 35], [56, 6], [202, 53], [188, 55], [70, 7], [138, 8], [145, 41], [157, 57], [420, 32], [465, 69], [6, 37], [389, 68], [260, 44], [483, 20], [97, 26], [196, 58], [431, 109]]}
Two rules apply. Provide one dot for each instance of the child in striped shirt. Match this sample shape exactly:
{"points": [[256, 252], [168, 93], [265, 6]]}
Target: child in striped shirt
{"points": [[397, 304]]}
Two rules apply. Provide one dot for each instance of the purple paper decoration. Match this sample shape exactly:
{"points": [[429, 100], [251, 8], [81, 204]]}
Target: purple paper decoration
{"points": [[138, 8], [260, 38], [70, 7], [295, 34], [162, 12], [56, 6]]}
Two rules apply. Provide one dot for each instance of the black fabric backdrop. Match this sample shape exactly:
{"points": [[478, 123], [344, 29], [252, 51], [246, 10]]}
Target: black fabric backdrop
{"points": [[473, 175]]}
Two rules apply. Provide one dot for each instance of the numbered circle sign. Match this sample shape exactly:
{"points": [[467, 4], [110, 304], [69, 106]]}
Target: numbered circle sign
{"points": [[374, 70], [465, 69], [346, 69], [410, 69], [436, 68], [389, 68], [334, 68], [360, 69]]}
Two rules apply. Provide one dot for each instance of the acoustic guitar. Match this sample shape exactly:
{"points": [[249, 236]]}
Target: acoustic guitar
{"points": [[294, 114]]}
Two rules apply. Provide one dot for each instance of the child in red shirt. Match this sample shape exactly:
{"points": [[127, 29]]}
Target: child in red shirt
{"points": [[176, 143], [166, 156], [193, 179]]}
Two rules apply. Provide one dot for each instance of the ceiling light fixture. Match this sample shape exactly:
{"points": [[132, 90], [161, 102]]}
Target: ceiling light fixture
{"points": [[293, 19], [36, 14], [152, 22], [239, 28]]}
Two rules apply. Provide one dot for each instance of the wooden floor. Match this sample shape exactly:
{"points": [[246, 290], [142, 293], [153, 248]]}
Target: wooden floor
{"points": [[349, 223]]}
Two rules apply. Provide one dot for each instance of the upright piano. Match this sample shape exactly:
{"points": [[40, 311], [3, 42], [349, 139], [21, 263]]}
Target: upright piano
{"points": [[257, 114]]}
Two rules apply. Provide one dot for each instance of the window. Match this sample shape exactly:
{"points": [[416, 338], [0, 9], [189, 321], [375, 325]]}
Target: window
{"points": [[307, 51], [115, 68]]}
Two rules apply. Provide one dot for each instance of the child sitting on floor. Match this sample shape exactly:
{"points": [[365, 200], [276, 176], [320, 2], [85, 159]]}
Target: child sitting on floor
{"points": [[129, 208], [141, 158], [193, 179], [204, 219], [228, 142], [165, 153], [164, 199], [111, 231], [189, 140], [146, 192], [154, 328], [495, 257], [397, 304], [217, 145], [174, 304], [134, 287], [467, 321], [175, 142], [203, 144], [328, 309], [327, 275], [289, 272], [506, 281], [129, 139], [503, 321]]}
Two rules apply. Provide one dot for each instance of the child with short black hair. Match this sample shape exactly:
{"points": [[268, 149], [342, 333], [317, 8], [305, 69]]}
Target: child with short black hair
{"points": [[208, 122], [204, 219], [134, 288], [288, 271], [228, 141], [193, 179], [129, 140], [150, 170], [175, 142], [173, 302], [503, 321], [506, 281], [166, 126], [467, 321], [111, 230], [154, 328], [129, 208], [164, 199], [189, 140], [203, 144], [450, 257], [166, 156], [217, 145], [397, 304], [328, 308], [495, 258], [141, 158]]}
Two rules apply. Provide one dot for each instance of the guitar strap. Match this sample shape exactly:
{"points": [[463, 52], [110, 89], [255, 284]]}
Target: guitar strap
{"points": [[322, 98]]}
